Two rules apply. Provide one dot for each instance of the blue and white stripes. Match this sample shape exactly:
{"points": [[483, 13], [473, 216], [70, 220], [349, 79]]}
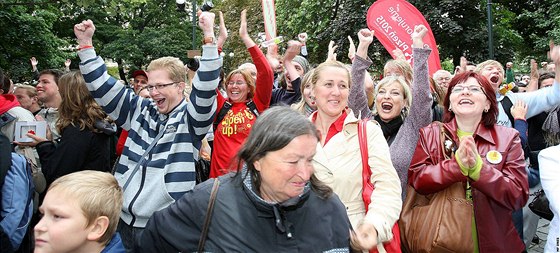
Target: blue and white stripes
{"points": [[168, 171]]}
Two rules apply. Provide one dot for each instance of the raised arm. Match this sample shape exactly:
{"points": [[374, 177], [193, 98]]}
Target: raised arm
{"points": [[534, 81], [331, 56], [357, 100], [544, 99], [203, 96], [115, 99], [291, 52], [249, 43], [302, 37], [289, 96], [34, 69], [265, 76], [420, 113], [222, 36]]}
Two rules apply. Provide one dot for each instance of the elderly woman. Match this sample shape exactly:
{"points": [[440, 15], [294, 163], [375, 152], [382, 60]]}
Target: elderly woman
{"points": [[338, 161], [247, 97], [273, 204], [400, 111], [488, 160]]}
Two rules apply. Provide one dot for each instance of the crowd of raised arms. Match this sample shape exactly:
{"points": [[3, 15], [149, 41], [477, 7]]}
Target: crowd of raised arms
{"points": [[280, 154]]}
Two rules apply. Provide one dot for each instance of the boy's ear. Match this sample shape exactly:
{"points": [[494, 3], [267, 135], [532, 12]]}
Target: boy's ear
{"points": [[97, 228]]}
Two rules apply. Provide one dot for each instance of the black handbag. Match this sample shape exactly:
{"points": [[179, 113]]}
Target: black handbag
{"points": [[202, 169], [540, 206]]}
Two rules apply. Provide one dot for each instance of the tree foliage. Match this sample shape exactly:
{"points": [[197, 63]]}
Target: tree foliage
{"points": [[134, 32]]}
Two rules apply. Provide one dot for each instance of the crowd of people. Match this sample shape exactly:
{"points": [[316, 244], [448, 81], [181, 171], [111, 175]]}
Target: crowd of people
{"points": [[118, 166]]}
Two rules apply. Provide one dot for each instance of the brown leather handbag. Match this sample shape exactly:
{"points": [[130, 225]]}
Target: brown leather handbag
{"points": [[438, 222]]}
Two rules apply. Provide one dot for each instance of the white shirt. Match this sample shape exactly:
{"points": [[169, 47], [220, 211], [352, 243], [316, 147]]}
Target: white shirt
{"points": [[549, 164]]}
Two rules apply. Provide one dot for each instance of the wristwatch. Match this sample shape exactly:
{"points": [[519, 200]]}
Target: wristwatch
{"points": [[209, 40]]}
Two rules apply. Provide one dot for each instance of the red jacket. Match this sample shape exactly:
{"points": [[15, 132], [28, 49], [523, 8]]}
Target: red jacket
{"points": [[501, 188]]}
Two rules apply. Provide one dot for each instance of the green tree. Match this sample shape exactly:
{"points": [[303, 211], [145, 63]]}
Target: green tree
{"points": [[25, 33]]}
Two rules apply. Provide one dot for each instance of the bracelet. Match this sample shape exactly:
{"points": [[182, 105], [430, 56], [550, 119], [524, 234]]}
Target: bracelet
{"points": [[84, 47]]}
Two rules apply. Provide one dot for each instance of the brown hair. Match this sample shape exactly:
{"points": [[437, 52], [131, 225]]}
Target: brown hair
{"points": [[78, 107]]}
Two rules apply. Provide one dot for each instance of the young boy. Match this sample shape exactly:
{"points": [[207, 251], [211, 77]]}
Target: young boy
{"points": [[80, 214]]}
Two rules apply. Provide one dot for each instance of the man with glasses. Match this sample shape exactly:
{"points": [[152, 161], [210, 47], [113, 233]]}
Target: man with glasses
{"points": [[157, 164], [442, 78]]}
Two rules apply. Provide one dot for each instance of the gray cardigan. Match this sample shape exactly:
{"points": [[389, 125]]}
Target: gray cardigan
{"points": [[420, 111]]}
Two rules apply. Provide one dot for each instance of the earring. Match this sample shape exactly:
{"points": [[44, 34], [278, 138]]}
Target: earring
{"points": [[485, 110], [449, 109]]}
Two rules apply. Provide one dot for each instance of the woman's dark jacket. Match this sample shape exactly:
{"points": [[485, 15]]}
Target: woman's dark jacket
{"points": [[75, 151], [243, 222]]}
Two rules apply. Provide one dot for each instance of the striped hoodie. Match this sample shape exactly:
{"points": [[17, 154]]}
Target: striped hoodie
{"points": [[168, 171]]}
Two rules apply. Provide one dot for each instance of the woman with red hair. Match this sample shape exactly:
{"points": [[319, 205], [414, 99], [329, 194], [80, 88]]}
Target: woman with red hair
{"points": [[486, 158]]}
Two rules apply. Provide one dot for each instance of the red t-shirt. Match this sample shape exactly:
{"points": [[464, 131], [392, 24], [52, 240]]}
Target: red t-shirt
{"points": [[236, 125]]}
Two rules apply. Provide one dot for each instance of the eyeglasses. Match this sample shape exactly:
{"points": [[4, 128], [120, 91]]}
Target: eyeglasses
{"points": [[471, 88], [239, 83], [150, 88]]}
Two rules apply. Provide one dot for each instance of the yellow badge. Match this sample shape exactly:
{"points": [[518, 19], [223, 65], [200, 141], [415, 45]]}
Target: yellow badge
{"points": [[494, 157]]}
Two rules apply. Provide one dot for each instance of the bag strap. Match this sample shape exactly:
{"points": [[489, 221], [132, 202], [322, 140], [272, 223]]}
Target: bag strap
{"points": [[209, 210], [227, 106], [362, 139], [143, 157], [506, 105], [221, 114]]}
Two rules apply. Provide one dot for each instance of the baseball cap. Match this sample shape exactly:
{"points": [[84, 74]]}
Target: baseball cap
{"points": [[139, 73]]}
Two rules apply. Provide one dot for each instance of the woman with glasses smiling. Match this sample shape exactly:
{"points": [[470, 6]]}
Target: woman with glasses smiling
{"points": [[246, 99], [486, 159]]}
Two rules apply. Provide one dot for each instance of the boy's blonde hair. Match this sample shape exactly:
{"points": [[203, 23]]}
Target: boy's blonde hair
{"points": [[98, 194]]}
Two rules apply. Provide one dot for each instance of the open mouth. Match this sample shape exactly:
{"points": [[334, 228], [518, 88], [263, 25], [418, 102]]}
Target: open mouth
{"points": [[494, 79], [465, 102], [386, 106], [159, 102]]}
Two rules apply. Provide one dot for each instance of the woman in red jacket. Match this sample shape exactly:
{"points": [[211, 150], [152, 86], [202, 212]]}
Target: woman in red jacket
{"points": [[486, 158], [246, 98]]}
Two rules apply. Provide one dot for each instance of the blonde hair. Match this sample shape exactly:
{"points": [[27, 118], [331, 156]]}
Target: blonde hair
{"points": [[173, 66], [407, 95], [403, 66], [30, 90], [97, 193], [300, 106], [246, 74], [336, 64], [483, 65], [78, 107]]}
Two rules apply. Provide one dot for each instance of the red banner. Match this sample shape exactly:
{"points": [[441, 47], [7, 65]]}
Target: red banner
{"points": [[393, 22]]}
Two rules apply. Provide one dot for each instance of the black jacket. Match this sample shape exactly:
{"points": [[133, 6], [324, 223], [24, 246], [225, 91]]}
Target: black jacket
{"points": [[75, 151], [243, 222]]}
